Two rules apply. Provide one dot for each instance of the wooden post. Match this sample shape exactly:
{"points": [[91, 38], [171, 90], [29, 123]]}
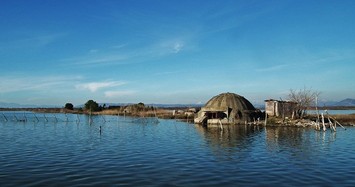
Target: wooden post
{"points": [[317, 108], [324, 129], [331, 125], [317, 125], [55, 117], [4, 116], [220, 124], [335, 121], [15, 117], [90, 120], [24, 116], [36, 117], [103, 118], [66, 117], [77, 116], [45, 117], [340, 125]]}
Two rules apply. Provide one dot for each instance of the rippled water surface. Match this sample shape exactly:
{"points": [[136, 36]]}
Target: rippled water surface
{"points": [[48, 150]]}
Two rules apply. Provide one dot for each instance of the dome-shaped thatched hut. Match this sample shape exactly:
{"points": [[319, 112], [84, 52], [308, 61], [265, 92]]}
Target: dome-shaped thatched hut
{"points": [[227, 108]]}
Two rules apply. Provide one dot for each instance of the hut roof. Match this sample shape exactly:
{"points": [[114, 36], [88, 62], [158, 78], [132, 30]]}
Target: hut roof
{"points": [[228, 100]]}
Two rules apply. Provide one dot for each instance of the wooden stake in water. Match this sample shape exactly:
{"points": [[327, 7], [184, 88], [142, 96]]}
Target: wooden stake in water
{"points": [[16, 117], [66, 117], [324, 129], [90, 121], [55, 117], [265, 118], [331, 125], [220, 125], [340, 125], [36, 117], [4, 117], [45, 117], [77, 116], [335, 121], [24, 117], [317, 109]]}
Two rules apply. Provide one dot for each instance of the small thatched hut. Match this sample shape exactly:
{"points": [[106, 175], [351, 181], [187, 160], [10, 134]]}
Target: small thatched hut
{"points": [[227, 108]]}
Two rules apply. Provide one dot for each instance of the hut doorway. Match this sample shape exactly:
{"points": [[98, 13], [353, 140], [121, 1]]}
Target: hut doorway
{"points": [[216, 115]]}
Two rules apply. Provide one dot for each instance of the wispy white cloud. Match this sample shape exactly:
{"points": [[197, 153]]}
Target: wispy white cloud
{"points": [[44, 39], [94, 86], [97, 59], [177, 47], [230, 16], [273, 68], [32, 83], [168, 72], [119, 46], [31, 42], [102, 60], [333, 56], [112, 94], [93, 51], [113, 56], [168, 47]]}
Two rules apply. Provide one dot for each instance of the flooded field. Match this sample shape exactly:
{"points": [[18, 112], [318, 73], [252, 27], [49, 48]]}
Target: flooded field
{"points": [[72, 150]]}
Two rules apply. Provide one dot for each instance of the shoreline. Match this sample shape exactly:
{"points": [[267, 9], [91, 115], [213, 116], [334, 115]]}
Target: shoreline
{"points": [[161, 113], [183, 114]]}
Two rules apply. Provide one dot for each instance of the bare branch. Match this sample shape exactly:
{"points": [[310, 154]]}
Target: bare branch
{"points": [[304, 99]]}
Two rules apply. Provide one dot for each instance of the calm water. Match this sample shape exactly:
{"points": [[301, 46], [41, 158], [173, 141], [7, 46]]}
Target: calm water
{"points": [[141, 152], [333, 111]]}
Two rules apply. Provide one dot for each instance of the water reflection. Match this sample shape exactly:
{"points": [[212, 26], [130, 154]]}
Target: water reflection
{"points": [[241, 141], [298, 143], [231, 140], [283, 137]]}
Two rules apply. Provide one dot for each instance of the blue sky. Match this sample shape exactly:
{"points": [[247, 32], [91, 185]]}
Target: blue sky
{"points": [[53, 52]]}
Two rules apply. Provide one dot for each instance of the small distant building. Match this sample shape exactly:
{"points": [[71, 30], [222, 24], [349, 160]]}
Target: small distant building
{"points": [[279, 108], [190, 112]]}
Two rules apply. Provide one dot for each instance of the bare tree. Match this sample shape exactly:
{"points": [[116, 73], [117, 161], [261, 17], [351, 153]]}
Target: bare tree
{"points": [[304, 99]]}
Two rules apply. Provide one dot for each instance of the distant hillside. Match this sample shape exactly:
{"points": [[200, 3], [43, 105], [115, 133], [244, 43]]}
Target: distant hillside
{"points": [[147, 104], [176, 105], [16, 105], [346, 102]]}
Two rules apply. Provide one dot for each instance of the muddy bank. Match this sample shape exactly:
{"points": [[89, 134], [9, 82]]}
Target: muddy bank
{"points": [[310, 121]]}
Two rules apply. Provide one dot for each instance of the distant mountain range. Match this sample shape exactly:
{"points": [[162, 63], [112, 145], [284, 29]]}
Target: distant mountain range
{"points": [[154, 105], [16, 105], [345, 102]]}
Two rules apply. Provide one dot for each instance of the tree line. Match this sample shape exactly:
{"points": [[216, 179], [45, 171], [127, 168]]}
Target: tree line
{"points": [[90, 105]]}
